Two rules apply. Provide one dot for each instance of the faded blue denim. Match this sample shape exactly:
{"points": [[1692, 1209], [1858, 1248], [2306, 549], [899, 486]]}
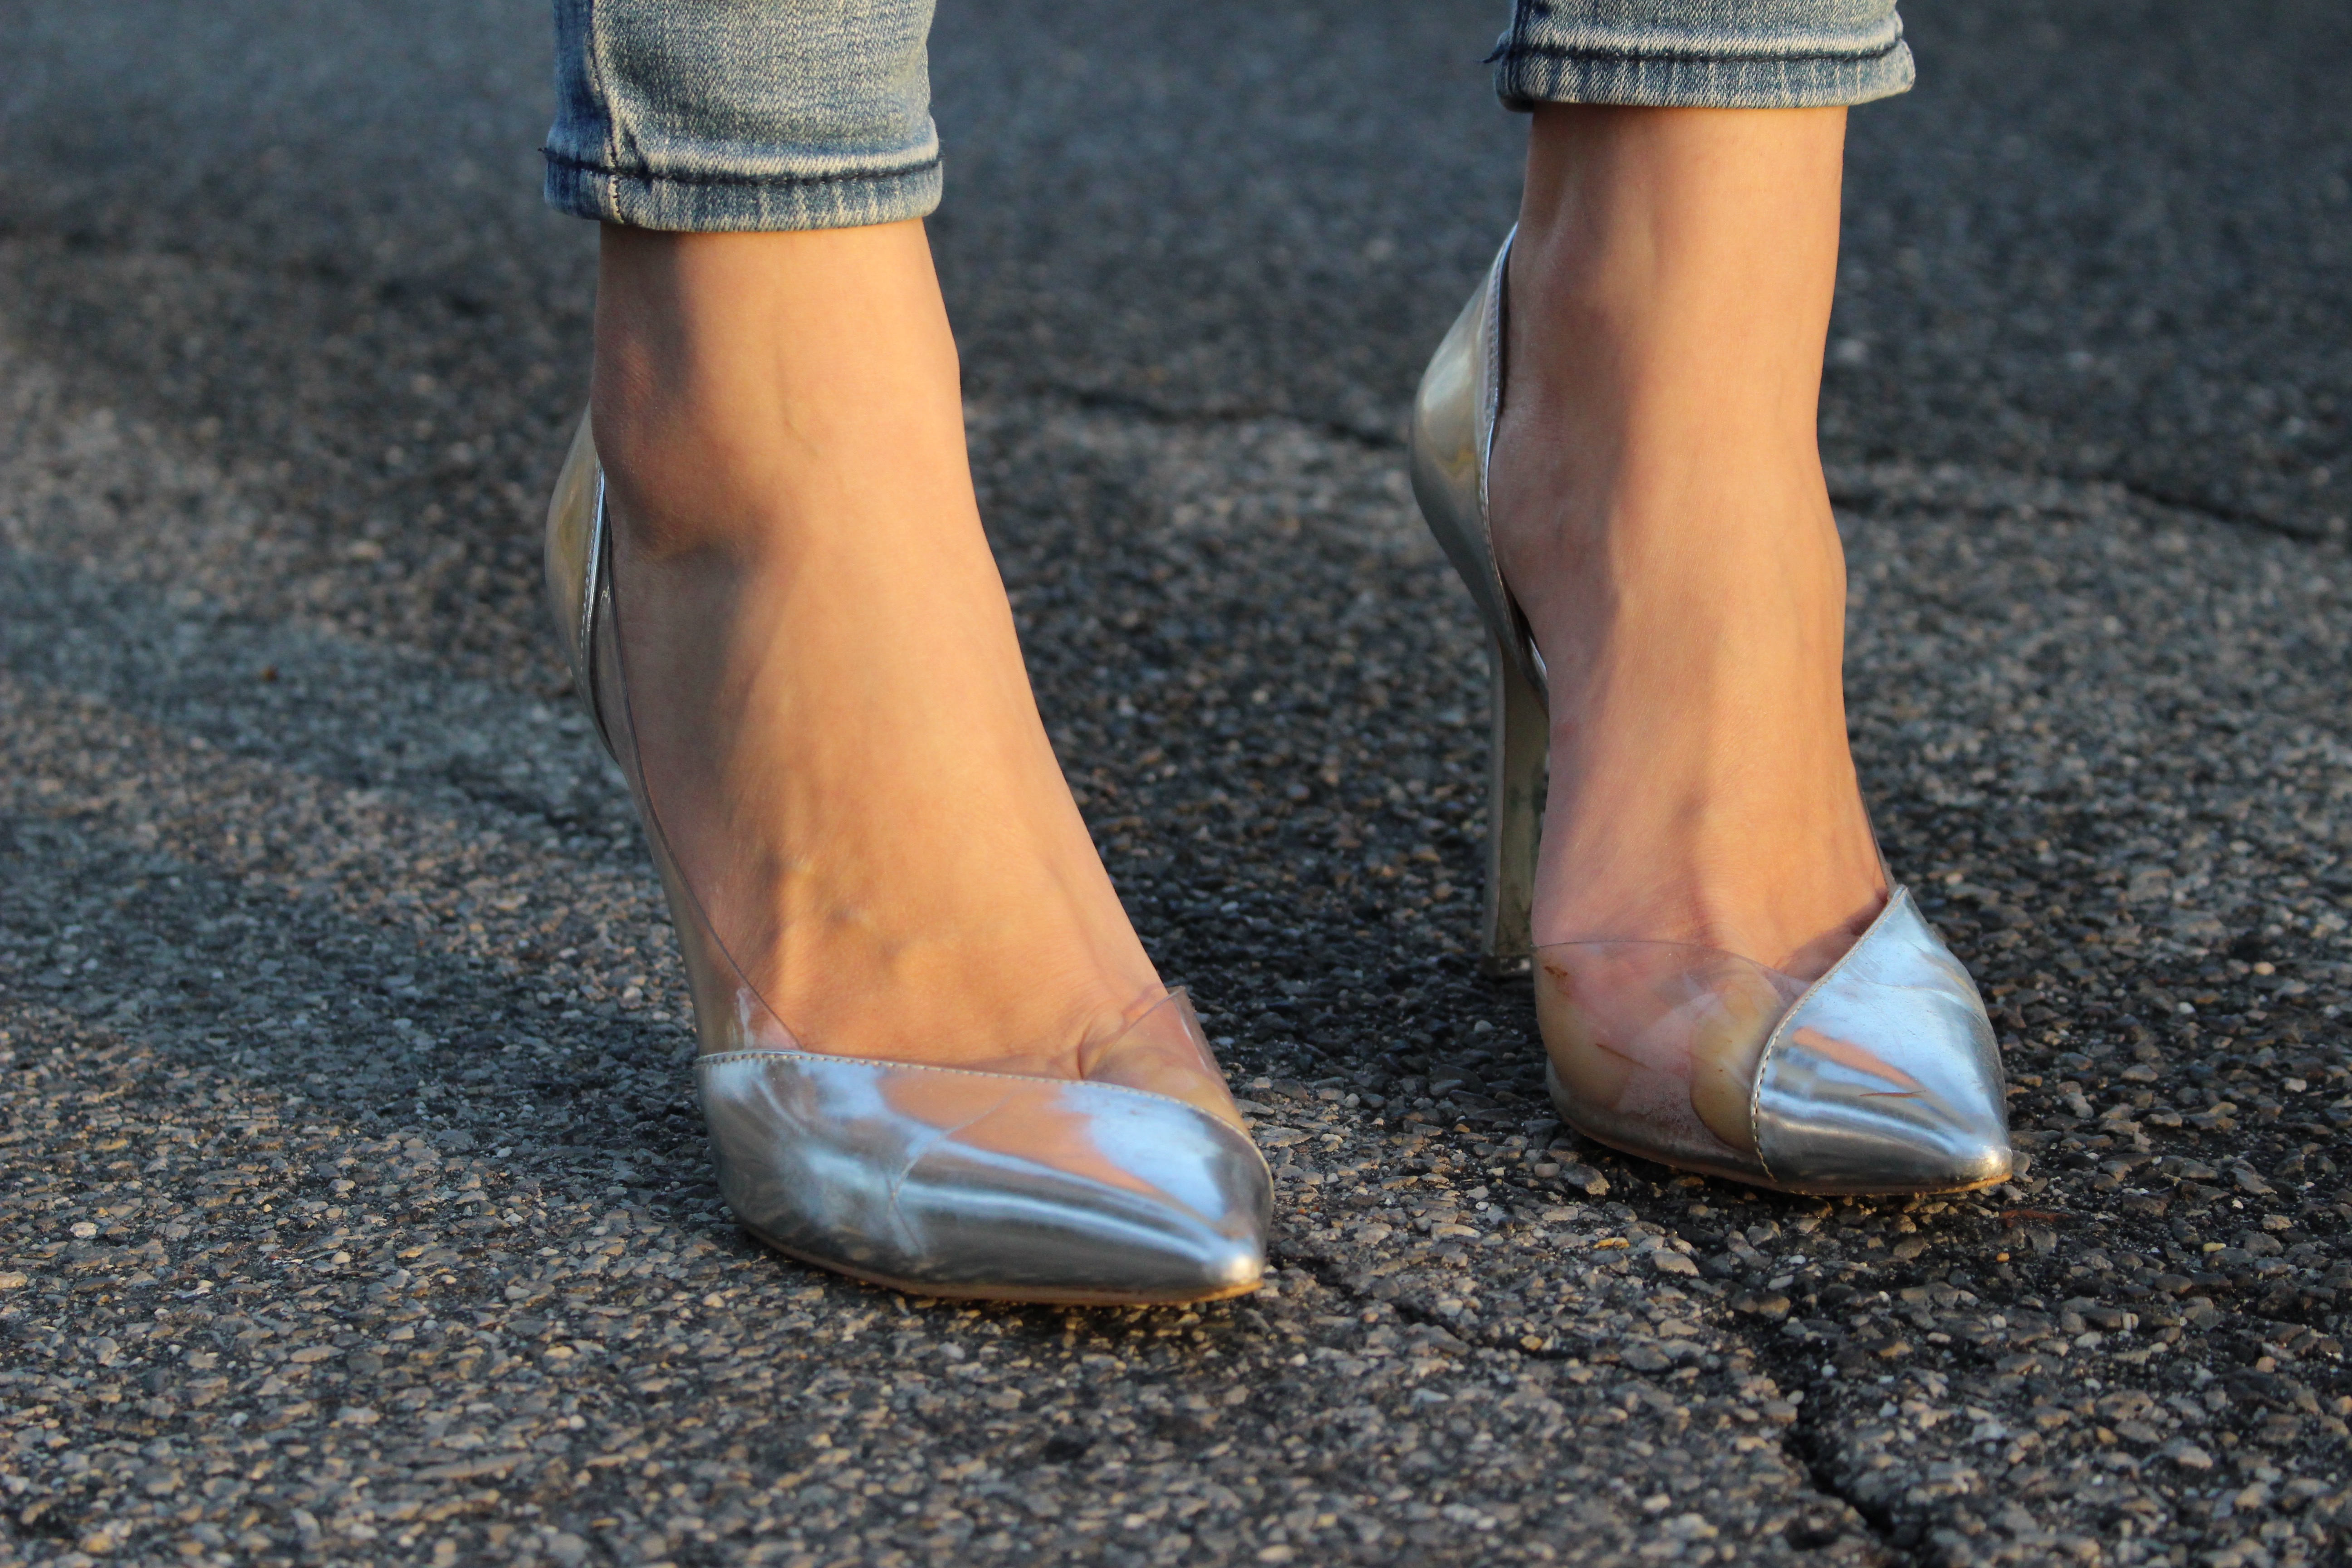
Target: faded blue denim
{"points": [[1710, 54], [742, 114], [785, 114]]}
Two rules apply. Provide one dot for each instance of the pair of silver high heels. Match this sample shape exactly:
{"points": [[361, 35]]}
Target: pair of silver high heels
{"points": [[1137, 1182]]}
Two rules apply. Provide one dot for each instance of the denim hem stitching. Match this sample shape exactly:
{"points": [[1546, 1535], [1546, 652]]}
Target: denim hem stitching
{"points": [[649, 176], [1562, 52], [601, 86]]}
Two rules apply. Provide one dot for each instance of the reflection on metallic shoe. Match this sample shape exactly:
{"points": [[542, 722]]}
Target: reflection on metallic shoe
{"points": [[1881, 1076]]}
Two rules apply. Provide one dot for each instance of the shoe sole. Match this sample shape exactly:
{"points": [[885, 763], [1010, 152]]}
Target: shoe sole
{"points": [[1043, 1296]]}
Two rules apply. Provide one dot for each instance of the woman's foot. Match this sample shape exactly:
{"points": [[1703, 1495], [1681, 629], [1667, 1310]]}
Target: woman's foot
{"points": [[1658, 509], [833, 725]]}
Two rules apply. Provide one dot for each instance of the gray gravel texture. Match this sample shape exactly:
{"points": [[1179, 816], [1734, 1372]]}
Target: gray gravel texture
{"points": [[355, 1208]]}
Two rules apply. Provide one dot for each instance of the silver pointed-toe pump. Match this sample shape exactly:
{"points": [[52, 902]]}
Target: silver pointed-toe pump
{"points": [[1880, 1077], [1133, 1184]]}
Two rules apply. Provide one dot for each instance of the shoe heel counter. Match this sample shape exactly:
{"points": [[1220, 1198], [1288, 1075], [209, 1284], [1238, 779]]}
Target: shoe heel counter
{"points": [[570, 553], [1517, 747], [1444, 451]]}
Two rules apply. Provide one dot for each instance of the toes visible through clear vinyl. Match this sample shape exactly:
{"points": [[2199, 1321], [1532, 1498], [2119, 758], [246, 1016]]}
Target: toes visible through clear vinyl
{"points": [[1656, 1044], [1880, 1077]]}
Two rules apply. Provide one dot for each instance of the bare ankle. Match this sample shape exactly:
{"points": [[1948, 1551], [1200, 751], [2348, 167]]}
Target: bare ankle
{"points": [[1659, 511], [746, 383], [825, 678]]}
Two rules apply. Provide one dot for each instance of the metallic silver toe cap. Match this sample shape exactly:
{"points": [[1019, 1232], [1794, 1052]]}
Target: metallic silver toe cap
{"points": [[1885, 1077], [954, 1183]]}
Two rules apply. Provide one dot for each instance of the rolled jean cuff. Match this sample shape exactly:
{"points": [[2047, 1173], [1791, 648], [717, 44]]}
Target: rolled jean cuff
{"points": [[1730, 54], [742, 114], [694, 203]]}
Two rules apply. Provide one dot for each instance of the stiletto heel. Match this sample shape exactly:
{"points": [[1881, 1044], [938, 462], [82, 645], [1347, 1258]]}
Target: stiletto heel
{"points": [[1134, 1183], [1883, 1076], [1515, 754]]}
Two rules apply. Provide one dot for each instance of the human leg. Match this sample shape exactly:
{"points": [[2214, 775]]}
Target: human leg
{"points": [[772, 579], [1651, 538], [835, 724], [1659, 511], [830, 706]]}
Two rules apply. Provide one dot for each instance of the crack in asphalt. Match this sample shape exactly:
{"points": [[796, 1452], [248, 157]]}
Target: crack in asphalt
{"points": [[1804, 1441], [1813, 1451], [2220, 512], [1144, 410]]}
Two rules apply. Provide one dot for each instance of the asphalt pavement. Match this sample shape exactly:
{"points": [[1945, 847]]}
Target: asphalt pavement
{"points": [[354, 1204]]}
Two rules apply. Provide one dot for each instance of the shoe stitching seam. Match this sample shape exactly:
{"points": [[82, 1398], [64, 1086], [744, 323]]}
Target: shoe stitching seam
{"points": [[963, 1073], [1491, 328], [974, 1072]]}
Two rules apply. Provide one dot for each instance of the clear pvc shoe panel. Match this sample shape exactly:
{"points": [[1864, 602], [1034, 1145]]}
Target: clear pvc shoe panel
{"points": [[1654, 1045], [1165, 1051], [1880, 1077]]}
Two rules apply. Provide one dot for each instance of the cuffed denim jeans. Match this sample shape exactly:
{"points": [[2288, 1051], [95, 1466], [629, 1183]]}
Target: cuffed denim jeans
{"points": [[786, 114]]}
